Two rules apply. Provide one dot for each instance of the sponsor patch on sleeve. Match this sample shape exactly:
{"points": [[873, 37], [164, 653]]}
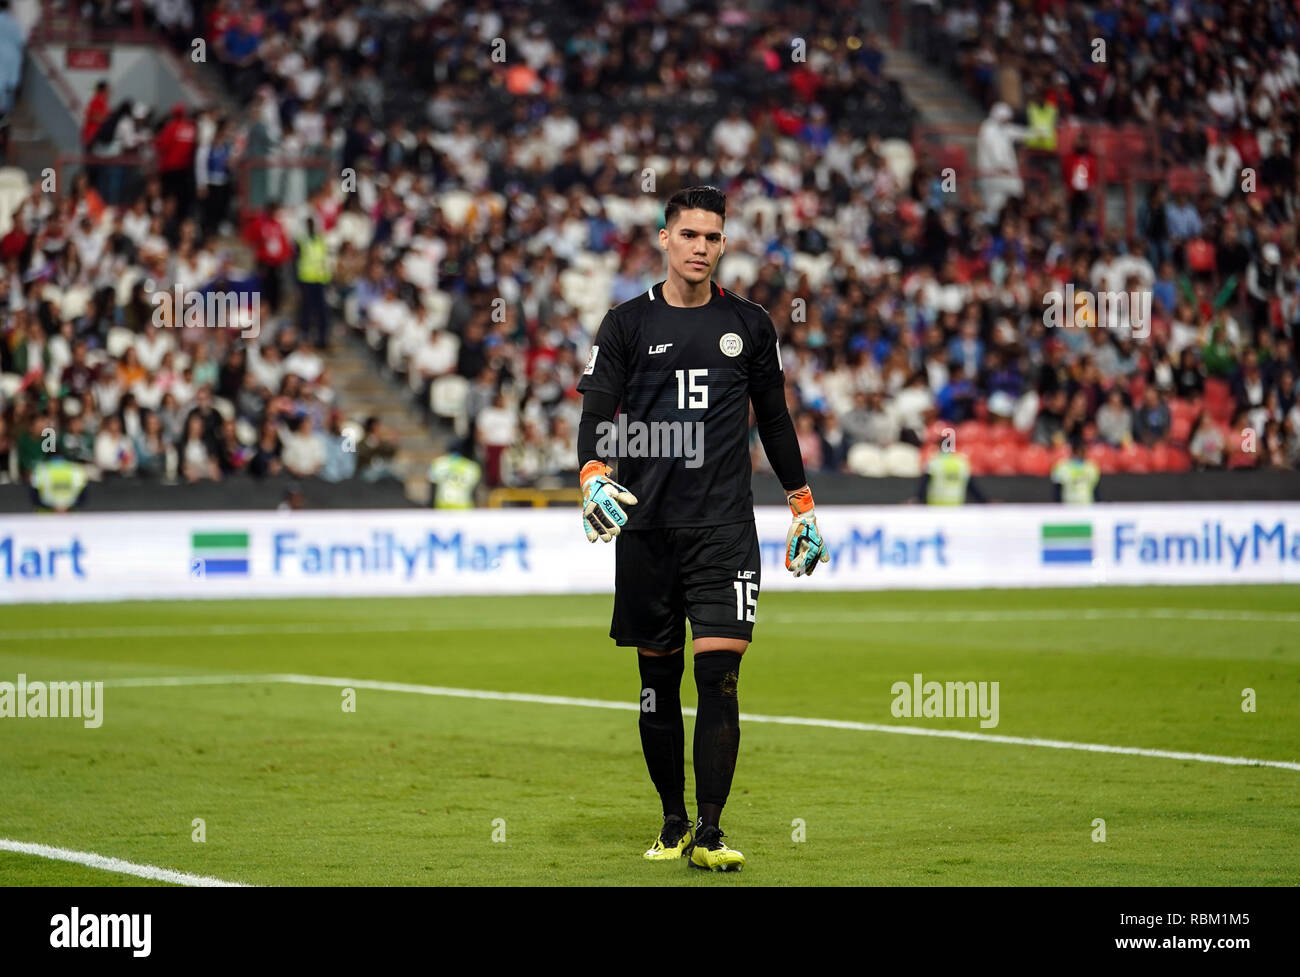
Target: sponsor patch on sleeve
{"points": [[591, 362]]}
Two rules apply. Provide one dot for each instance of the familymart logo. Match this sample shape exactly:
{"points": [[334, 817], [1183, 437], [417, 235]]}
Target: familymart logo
{"points": [[185, 308], [1067, 542], [53, 700], [218, 554]]}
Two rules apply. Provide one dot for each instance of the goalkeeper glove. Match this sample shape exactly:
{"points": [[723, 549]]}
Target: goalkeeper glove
{"points": [[804, 547], [602, 515]]}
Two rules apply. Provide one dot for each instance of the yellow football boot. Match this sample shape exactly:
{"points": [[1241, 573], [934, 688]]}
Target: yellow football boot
{"points": [[712, 854], [674, 840]]}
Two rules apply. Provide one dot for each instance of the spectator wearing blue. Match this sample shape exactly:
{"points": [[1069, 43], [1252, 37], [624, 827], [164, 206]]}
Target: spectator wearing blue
{"points": [[956, 401], [340, 452]]}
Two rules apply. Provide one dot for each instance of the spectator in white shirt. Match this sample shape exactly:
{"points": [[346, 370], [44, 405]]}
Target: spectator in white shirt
{"points": [[303, 450], [114, 452]]}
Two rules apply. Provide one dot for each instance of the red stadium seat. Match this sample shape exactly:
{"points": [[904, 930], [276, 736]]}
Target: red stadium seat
{"points": [[1105, 457], [934, 431], [971, 433], [1178, 460], [1135, 459], [1183, 408], [1000, 459], [1034, 459], [1218, 399], [1242, 459], [1003, 434], [1180, 429], [979, 456]]}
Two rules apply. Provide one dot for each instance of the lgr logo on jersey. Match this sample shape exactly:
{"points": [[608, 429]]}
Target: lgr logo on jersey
{"points": [[730, 344], [661, 348]]}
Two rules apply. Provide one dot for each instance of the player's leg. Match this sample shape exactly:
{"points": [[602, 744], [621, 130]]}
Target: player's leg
{"points": [[649, 615], [663, 743], [720, 580]]}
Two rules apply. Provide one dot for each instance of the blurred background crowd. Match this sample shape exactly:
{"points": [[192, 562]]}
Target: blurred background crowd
{"points": [[379, 177]]}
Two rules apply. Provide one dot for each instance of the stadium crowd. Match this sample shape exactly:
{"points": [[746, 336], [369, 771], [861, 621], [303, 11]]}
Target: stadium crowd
{"points": [[474, 219]]}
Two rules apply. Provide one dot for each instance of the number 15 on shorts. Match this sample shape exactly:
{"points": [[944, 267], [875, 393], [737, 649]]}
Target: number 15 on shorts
{"points": [[746, 598]]}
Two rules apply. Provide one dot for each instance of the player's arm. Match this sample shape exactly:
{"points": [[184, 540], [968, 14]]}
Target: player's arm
{"points": [[804, 547], [601, 384], [603, 516]]}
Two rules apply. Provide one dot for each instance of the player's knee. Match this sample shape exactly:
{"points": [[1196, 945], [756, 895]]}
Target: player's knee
{"points": [[702, 645], [717, 673]]}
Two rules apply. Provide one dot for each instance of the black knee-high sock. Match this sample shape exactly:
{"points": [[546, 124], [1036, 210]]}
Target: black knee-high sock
{"points": [[717, 731], [663, 737]]}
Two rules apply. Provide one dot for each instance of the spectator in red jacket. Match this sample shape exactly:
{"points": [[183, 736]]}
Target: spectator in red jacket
{"points": [[1079, 172], [97, 111], [175, 147], [265, 234]]}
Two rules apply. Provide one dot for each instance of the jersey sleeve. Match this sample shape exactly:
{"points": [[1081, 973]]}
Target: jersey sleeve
{"points": [[606, 369], [765, 371]]}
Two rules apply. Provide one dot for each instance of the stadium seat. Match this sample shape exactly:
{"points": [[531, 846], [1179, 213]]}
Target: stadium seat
{"points": [[1034, 459], [1135, 459], [970, 434], [903, 460], [1218, 399], [1003, 434], [1000, 459], [1105, 457], [1180, 429], [1166, 457], [866, 460]]}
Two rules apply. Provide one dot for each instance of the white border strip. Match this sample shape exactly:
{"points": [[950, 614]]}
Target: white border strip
{"points": [[559, 700], [91, 860]]}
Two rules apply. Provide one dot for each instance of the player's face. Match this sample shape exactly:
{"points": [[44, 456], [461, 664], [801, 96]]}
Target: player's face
{"points": [[694, 243]]}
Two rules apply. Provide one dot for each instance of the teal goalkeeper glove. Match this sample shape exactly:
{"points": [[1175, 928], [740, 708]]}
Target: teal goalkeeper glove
{"points": [[602, 515], [804, 546]]}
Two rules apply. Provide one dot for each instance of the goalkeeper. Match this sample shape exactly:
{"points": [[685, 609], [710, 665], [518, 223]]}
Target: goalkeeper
{"points": [[683, 362]]}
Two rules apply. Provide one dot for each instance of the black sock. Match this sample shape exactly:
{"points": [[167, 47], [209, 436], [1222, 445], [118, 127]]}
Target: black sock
{"points": [[663, 737], [717, 731]]}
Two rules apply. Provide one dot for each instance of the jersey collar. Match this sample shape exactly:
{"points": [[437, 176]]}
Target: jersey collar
{"points": [[656, 292]]}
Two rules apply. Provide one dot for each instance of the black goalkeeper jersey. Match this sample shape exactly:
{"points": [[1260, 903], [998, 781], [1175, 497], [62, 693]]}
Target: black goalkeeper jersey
{"points": [[684, 378]]}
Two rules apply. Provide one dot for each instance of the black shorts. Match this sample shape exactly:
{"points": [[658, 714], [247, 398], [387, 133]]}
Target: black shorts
{"points": [[662, 576]]}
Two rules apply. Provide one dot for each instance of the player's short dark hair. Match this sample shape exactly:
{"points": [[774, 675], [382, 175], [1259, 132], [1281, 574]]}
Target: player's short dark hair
{"points": [[696, 198]]}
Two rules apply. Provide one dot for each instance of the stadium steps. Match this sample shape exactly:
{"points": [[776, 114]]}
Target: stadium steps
{"points": [[29, 148], [360, 391], [936, 97]]}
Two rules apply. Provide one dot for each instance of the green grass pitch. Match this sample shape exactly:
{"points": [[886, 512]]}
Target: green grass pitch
{"points": [[410, 788]]}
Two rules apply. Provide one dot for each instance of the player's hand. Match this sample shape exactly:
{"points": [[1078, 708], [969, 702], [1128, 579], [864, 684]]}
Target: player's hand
{"points": [[603, 499], [804, 546]]}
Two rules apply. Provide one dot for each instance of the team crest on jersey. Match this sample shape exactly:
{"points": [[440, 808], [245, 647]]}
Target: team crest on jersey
{"points": [[730, 344], [591, 362]]}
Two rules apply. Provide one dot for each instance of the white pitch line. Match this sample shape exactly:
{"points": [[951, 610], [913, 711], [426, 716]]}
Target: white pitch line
{"points": [[91, 860], [478, 624], [560, 700]]}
